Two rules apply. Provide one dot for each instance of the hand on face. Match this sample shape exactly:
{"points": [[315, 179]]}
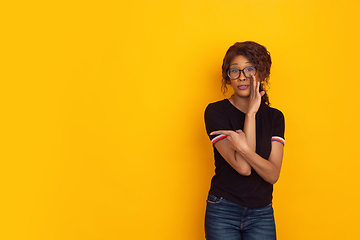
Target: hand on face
{"points": [[255, 95], [241, 85]]}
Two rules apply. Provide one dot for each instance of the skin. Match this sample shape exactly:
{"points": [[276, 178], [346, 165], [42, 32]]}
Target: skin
{"points": [[238, 149]]}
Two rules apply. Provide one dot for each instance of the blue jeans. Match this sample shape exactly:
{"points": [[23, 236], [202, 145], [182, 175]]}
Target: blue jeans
{"points": [[226, 220]]}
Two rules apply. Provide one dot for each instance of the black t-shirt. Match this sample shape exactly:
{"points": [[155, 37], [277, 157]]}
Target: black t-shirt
{"points": [[248, 191]]}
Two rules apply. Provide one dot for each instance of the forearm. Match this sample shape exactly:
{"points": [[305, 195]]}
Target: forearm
{"points": [[241, 165], [266, 169], [250, 130], [233, 157]]}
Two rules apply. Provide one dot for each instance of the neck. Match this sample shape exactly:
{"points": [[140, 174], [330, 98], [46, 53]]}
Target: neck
{"points": [[240, 103]]}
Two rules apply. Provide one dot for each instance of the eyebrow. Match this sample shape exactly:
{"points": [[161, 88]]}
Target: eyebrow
{"points": [[238, 64]]}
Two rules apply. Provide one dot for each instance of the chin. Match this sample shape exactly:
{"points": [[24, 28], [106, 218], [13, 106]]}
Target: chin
{"points": [[243, 94]]}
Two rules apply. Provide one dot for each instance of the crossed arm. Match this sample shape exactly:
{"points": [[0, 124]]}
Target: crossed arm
{"points": [[244, 156], [233, 157]]}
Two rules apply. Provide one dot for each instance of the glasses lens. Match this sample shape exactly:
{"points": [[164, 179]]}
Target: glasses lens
{"points": [[233, 73], [249, 71]]}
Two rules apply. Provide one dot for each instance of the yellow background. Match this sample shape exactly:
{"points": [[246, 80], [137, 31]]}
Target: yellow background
{"points": [[102, 114]]}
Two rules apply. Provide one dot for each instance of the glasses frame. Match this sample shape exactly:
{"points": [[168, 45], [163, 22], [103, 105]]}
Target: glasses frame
{"points": [[240, 70]]}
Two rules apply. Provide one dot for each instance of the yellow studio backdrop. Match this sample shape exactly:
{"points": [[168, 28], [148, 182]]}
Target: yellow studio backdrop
{"points": [[102, 108]]}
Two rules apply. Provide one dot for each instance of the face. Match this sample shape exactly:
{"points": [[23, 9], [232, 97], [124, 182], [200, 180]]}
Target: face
{"points": [[241, 85]]}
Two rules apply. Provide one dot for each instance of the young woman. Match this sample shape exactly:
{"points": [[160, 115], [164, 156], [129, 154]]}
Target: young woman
{"points": [[248, 140]]}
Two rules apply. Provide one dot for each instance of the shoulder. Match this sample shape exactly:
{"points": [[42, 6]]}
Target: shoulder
{"points": [[217, 111], [217, 106], [220, 103]]}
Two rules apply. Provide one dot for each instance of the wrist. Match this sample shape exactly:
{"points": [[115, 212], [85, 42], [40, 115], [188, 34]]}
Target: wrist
{"points": [[251, 113], [244, 149]]}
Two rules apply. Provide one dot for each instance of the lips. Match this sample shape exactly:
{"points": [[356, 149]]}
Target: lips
{"points": [[243, 87]]}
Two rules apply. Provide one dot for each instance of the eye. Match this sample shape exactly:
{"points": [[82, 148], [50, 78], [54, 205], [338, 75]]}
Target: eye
{"points": [[234, 70], [250, 69]]}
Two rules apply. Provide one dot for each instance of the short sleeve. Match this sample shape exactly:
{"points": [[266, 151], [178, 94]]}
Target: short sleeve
{"points": [[279, 128], [216, 119]]}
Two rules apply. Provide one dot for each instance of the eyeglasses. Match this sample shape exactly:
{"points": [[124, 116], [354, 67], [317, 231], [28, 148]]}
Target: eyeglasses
{"points": [[234, 73]]}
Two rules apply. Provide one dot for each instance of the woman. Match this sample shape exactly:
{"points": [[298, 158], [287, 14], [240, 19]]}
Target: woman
{"points": [[248, 140]]}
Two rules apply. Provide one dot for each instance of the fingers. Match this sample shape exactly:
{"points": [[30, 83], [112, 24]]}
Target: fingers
{"points": [[252, 79], [256, 87], [253, 86]]}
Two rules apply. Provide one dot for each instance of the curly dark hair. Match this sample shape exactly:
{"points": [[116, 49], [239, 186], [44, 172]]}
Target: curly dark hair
{"points": [[257, 55]]}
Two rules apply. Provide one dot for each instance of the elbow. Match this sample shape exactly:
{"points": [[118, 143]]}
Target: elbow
{"points": [[273, 179], [245, 171]]}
